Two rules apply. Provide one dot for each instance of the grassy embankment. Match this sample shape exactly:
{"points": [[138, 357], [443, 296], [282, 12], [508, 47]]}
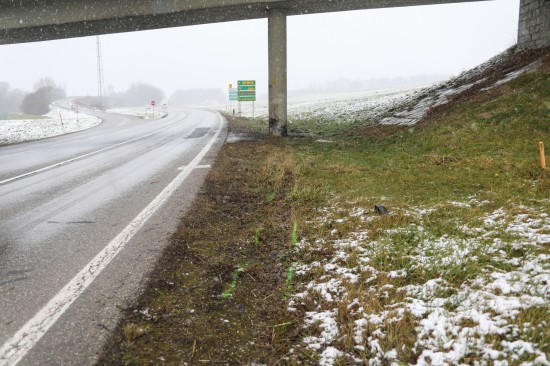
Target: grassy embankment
{"points": [[19, 116], [469, 210]]}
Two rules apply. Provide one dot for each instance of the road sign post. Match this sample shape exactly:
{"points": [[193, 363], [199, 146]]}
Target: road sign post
{"points": [[247, 92], [233, 95]]}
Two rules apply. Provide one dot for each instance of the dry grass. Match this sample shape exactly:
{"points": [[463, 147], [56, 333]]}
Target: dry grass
{"points": [[219, 289]]}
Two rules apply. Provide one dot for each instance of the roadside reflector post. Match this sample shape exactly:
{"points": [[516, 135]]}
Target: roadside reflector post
{"points": [[542, 157]]}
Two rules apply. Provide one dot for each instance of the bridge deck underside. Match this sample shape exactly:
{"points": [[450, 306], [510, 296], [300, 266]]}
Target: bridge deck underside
{"points": [[29, 21]]}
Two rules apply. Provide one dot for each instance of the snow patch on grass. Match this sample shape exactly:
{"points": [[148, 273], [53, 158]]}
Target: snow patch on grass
{"points": [[415, 297]]}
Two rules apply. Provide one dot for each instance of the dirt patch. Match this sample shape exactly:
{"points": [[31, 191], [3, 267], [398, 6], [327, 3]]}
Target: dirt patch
{"points": [[217, 294]]}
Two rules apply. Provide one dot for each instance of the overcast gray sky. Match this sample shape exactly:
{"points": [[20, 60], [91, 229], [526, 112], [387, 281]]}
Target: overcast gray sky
{"points": [[439, 39]]}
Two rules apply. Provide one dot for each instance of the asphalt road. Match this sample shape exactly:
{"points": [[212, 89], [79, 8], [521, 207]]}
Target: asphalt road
{"points": [[82, 219]]}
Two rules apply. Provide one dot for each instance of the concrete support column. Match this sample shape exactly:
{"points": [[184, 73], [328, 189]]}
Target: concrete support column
{"points": [[277, 72]]}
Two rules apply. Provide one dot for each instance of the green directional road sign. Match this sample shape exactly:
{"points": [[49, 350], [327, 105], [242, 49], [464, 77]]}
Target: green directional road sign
{"points": [[247, 90], [233, 94], [247, 82]]}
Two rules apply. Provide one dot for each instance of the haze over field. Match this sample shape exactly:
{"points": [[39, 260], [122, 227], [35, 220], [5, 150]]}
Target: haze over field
{"points": [[348, 47]]}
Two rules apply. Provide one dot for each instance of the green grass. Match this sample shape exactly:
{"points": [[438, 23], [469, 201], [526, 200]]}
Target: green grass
{"points": [[482, 150], [257, 235], [233, 284], [19, 116], [294, 235], [485, 149]]}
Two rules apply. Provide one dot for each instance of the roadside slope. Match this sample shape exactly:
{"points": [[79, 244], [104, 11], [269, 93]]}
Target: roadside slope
{"points": [[284, 260]]}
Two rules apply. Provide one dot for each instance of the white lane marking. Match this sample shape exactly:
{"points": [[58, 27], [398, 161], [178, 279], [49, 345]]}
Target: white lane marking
{"points": [[197, 167], [88, 154], [21, 342], [19, 152]]}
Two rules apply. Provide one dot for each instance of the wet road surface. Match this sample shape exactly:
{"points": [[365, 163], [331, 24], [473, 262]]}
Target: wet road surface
{"points": [[82, 218]]}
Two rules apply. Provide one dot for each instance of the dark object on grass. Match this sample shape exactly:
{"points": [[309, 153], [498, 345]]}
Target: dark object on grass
{"points": [[380, 209]]}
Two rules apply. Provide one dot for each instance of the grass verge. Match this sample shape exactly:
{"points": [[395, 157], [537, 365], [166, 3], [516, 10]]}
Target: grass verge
{"points": [[450, 274], [217, 295], [456, 273]]}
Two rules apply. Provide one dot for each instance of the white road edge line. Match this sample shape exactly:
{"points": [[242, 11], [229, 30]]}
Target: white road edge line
{"points": [[197, 167], [15, 348], [86, 155]]}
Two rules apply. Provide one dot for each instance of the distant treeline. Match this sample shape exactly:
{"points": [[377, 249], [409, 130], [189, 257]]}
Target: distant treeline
{"points": [[138, 95], [46, 91], [36, 102], [10, 99]]}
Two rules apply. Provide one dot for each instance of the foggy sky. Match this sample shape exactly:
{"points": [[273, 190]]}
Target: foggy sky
{"points": [[399, 42]]}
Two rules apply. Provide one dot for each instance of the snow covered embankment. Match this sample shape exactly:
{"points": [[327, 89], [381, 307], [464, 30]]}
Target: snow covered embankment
{"points": [[140, 112], [497, 71], [340, 107], [57, 122]]}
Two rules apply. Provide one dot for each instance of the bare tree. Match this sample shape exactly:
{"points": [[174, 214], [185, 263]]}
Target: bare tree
{"points": [[10, 99], [45, 92]]}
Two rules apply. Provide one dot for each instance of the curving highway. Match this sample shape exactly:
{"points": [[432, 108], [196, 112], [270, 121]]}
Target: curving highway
{"points": [[82, 219]]}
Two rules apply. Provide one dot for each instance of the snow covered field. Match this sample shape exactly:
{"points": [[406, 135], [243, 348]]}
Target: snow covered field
{"points": [[140, 112], [340, 107], [60, 121], [57, 122], [336, 105]]}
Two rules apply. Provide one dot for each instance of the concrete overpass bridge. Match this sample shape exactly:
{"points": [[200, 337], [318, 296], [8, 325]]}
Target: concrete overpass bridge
{"points": [[40, 20]]}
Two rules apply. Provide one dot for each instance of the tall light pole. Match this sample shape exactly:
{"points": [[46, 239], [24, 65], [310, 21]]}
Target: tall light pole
{"points": [[100, 82]]}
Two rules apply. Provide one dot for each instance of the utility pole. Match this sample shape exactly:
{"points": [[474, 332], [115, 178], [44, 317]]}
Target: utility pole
{"points": [[100, 81]]}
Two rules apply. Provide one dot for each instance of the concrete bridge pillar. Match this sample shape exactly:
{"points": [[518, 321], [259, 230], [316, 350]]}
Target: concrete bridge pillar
{"points": [[277, 72], [534, 24]]}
